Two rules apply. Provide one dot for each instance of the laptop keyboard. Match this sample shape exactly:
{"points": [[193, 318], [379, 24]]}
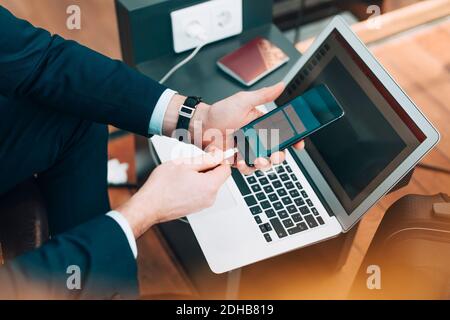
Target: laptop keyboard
{"points": [[279, 204]]}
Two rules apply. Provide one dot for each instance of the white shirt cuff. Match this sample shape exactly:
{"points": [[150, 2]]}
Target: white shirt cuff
{"points": [[123, 223], [157, 118]]}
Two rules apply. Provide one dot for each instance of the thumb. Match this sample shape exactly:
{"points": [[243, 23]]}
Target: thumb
{"points": [[262, 96]]}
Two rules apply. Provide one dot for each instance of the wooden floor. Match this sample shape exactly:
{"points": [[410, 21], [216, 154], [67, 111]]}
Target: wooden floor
{"points": [[419, 60]]}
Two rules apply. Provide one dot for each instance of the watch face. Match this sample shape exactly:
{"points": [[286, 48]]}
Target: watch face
{"points": [[192, 101]]}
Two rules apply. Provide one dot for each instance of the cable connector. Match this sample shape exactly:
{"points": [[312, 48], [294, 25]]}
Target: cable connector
{"points": [[196, 31]]}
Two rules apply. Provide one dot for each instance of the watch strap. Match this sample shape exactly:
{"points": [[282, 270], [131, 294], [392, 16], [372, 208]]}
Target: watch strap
{"points": [[185, 114]]}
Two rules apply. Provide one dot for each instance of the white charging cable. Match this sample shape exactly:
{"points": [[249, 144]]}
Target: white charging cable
{"points": [[195, 31]]}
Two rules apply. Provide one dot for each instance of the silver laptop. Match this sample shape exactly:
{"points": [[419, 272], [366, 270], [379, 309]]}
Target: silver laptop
{"points": [[322, 191]]}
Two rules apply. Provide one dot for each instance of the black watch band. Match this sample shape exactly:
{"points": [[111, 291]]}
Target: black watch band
{"points": [[185, 114]]}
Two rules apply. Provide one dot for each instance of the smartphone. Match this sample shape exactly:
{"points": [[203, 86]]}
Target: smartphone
{"points": [[253, 61], [288, 124]]}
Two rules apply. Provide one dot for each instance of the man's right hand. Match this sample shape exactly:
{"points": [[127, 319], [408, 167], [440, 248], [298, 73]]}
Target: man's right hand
{"points": [[175, 189]]}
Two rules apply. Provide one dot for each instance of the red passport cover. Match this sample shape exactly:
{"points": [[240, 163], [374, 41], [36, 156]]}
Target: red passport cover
{"points": [[253, 59]]}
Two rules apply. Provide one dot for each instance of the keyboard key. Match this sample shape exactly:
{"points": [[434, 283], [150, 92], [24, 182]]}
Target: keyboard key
{"points": [[256, 188], [240, 182], [311, 221], [289, 185], [259, 173], [268, 189], [255, 210], [273, 197], [309, 202], [288, 169], [272, 176], [270, 213], [277, 184], [314, 210], [283, 214], [258, 219], [265, 204], [251, 180], [298, 185], [278, 205], [320, 220], [297, 217], [294, 177], [294, 193], [304, 194], [292, 209], [267, 237], [263, 181], [261, 196], [303, 226], [250, 200], [299, 202], [279, 169], [286, 200], [278, 227], [304, 210], [288, 223], [281, 192], [263, 228], [299, 228], [284, 177]]}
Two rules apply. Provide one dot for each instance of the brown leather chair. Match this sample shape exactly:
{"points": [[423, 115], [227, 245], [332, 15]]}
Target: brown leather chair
{"points": [[23, 220]]}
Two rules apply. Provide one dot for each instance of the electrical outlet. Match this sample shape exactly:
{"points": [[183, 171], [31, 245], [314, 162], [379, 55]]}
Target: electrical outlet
{"points": [[217, 19]]}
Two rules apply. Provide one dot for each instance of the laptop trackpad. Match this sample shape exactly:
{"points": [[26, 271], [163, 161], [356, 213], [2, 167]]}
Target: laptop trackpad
{"points": [[224, 200]]}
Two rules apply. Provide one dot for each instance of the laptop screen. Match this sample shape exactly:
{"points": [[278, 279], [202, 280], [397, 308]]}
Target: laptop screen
{"points": [[356, 153]]}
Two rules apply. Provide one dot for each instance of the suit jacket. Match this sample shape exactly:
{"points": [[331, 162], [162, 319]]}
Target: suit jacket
{"points": [[68, 77]]}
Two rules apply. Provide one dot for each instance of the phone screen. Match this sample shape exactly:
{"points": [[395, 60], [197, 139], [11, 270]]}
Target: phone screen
{"points": [[288, 124]]}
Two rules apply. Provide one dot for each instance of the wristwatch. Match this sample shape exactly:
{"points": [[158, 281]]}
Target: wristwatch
{"points": [[185, 114]]}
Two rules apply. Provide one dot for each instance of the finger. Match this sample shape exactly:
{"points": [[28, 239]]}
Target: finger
{"points": [[243, 168], [218, 175], [253, 115], [204, 161], [300, 145], [262, 164], [262, 96], [277, 157]]}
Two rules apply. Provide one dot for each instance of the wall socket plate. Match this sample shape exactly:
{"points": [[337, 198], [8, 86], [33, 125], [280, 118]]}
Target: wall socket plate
{"points": [[219, 18]]}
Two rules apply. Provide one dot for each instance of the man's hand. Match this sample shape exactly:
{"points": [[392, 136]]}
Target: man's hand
{"points": [[175, 189], [234, 113], [216, 123]]}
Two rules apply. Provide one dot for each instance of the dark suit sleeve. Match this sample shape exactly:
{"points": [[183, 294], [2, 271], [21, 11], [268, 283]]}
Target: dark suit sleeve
{"points": [[98, 248], [71, 78]]}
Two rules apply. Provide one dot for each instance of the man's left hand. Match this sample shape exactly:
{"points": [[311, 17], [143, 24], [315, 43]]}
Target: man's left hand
{"points": [[234, 112]]}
